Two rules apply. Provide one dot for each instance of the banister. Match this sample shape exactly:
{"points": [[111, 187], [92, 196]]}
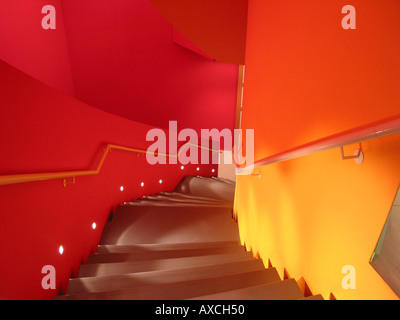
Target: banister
{"points": [[31, 177], [378, 129]]}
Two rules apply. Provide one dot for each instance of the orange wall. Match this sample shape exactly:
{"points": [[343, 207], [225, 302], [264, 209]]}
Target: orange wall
{"points": [[307, 78]]}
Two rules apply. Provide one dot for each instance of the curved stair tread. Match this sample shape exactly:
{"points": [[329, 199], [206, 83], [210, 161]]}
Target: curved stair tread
{"points": [[163, 246], [206, 188], [280, 290], [224, 180], [185, 289], [114, 282], [163, 254], [102, 269], [314, 297], [189, 196], [166, 203], [178, 245], [180, 198], [151, 224]]}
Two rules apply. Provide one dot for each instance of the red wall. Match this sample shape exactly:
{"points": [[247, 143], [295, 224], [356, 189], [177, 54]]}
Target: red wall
{"points": [[218, 27], [118, 56], [124, 61], [44, 130], [26, 45]]}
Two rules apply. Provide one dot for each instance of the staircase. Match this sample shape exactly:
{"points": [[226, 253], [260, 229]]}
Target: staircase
{"points": [[178, 245]]}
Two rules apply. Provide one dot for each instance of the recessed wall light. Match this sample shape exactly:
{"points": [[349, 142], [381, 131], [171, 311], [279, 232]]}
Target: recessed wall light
{"points": [[94, 226], [198, 169], [142, 184], [213, 170], [121, 188], [61, 250], [160, 181], [182, 167]]}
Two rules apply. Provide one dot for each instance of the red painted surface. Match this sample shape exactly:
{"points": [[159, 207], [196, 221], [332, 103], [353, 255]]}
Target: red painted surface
{"points": [[119, 57], [180, 39], [24, 44], [124, 61], [218, 27], [44, 131]]}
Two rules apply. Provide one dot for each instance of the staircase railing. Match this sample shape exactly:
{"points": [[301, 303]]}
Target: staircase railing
{"points": [[31, 177], [378, 129]]}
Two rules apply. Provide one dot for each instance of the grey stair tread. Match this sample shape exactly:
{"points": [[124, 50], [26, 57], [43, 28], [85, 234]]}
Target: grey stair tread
{"points": [[182, 198], [217, 179], [106, 283], [280, 290], [224, 180], [184, 289], [150, 224], [103, 269], [177, 200], [206, 188], [178, 245], [163, 246], [163, 254], [182, 195], [166, 203], [314, 297]]}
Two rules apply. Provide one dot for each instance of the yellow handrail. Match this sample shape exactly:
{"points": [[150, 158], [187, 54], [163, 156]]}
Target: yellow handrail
{"points": [[378, 129], [31, 177]]}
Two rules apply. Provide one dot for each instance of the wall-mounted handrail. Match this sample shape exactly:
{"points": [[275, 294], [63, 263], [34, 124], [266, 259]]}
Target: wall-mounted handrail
{"points": [[31, 177], [359, 134]]}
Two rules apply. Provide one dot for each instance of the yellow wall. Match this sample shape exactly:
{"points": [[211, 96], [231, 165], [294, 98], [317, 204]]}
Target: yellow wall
{"points": [[308, 78], [316, 214]]}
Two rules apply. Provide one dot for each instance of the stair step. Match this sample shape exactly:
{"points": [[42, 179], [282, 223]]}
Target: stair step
{"points": [[184, 289], [178, 245], [152, 224], [224, 180], [179, 201], [104, 269], [281, 290], [209, 188], [163, 254], [163, 246], [217, 179], [189, 196], [314, 297], [106, 283], [166, 203], [176, 198]]}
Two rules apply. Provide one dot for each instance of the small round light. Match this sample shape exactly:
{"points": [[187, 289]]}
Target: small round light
{"points": [[121, 188], [182, 167], [142, 184], [198, 169], [61, 249], [160, 181], [94, 226], [213, 170]]}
